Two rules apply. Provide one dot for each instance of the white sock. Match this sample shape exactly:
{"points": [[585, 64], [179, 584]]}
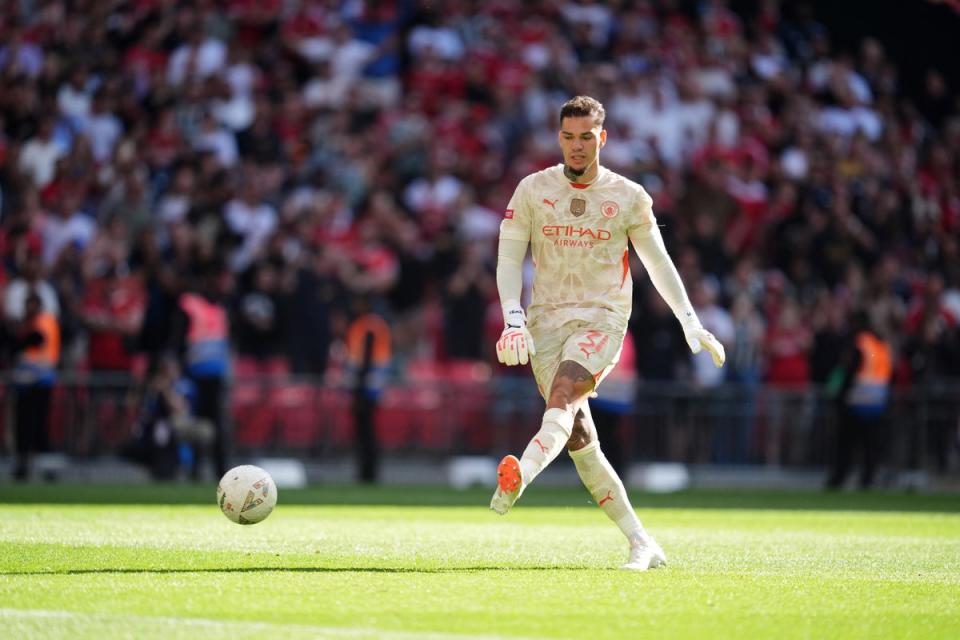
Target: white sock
{"points": [[547, 443], [607, 490]]}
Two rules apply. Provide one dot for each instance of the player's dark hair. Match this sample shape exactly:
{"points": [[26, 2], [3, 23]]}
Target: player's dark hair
{"points": [[581, 106]]}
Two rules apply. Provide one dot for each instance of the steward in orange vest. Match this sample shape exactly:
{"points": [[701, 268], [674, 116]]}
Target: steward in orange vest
{"points": [[38, 339], [870, 388], [368, 362], [866, 371]]}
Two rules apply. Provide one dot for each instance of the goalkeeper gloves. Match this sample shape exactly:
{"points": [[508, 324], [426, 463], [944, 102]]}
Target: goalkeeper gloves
{"points": [[699, 338], [515, 344]]}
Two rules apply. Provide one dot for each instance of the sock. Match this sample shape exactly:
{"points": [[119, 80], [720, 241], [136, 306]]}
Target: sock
{"points": [[547, 443], [607, 490]]}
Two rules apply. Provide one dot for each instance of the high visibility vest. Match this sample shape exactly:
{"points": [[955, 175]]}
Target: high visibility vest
{"points": [[871, 384], [375, 378], [356, 340], [207, 348], [38, 364]]}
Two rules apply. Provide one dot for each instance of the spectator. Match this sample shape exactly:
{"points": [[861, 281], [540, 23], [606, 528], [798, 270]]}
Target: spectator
{"points": [[198, 57], [166, 424], [69, 224], [258, 321], [75, 97], [200, 334], [250, 217], [368, 359], [788, 343], [29, 282], [662, 355], [771, 155], [39, 155], [217, 140], [717, 321], [112, 307], [37, 339], [865, 371], [315, 296], [467, 292], [102, 127]]}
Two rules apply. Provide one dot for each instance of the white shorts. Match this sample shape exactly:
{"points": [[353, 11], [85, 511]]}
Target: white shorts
{"points": [[596, 350]]}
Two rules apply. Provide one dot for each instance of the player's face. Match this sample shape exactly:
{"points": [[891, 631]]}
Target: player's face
{"points": [[580, 141]]}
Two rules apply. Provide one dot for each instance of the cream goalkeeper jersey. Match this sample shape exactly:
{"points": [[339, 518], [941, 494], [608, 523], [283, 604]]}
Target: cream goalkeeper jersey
{"points": [[580, 246]]}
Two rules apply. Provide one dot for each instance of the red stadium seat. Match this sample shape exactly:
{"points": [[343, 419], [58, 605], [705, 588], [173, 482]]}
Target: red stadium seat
{"points": [[336, 425], [250, 414], [395, 419], [296, 413]]}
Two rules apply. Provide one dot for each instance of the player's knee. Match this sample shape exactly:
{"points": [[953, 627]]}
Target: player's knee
{"points": [[579, 419], [580, 437], [561, 394]]}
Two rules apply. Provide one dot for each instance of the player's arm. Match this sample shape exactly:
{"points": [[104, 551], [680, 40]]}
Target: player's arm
{"points": [[515, 343], [647, 241]]}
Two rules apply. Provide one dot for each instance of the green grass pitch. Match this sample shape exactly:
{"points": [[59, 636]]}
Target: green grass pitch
{"points": [[430, 563]]}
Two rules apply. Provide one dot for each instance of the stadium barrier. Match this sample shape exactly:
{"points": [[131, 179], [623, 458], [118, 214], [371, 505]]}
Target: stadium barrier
{"points": [[93, 415]]}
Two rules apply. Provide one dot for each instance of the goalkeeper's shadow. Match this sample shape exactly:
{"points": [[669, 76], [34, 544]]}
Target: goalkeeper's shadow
{"points": [[296, 569]]}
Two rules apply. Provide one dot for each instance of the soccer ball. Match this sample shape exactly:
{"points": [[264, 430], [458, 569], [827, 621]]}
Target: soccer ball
{"points": [[246, 494]]}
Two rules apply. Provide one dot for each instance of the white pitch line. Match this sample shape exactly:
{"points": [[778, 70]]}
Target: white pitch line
{"points": [[241, 628]]}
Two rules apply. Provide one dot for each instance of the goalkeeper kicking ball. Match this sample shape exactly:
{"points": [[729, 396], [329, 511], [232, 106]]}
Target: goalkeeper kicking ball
{"points": [[246, 494]]}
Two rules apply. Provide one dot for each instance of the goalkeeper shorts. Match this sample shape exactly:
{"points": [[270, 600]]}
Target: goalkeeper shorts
{"points": [[596, 350]]}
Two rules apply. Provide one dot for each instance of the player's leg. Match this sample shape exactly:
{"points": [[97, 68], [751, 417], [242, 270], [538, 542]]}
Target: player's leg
{"points": [[603, 483], [570, 387]]}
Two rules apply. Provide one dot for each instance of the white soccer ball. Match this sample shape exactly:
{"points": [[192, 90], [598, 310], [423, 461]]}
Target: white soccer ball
{"points": [[246, 494]]}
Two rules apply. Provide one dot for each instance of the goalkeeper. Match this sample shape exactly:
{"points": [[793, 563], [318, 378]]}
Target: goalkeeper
{"points": [[577, 217]]}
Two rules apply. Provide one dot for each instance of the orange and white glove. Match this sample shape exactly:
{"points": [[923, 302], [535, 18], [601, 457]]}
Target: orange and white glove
{"points": [[515, 345], [699, 338]]}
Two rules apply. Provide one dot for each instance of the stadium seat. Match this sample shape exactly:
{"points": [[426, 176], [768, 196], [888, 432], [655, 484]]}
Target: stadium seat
{"points": [[395, 418], [250, 414], [336, 425], [295, 411]]}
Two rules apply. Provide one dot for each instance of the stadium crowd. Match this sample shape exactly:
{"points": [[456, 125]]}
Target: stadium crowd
{"points": [[300, 156]]}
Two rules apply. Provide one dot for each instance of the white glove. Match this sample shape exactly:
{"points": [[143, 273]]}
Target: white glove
{"points": [[699, 338], [515, 344]]}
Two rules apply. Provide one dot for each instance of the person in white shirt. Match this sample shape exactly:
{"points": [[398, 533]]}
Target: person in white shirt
{"points": [[102, 127], [68, 226], [39, 156], [578, 218], [198, 58], [75, 97], [717, 321], [251, 218], [30, 280]]}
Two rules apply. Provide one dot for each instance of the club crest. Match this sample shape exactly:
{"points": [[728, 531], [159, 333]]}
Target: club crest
{"points": [[609, 209], [578, 206]]}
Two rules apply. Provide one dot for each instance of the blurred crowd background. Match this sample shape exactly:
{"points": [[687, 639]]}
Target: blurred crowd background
{"points": [[303, 161]]}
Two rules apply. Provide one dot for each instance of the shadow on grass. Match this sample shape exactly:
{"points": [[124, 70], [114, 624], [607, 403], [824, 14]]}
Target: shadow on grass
{"points": [[264, 569], [440, 496]]}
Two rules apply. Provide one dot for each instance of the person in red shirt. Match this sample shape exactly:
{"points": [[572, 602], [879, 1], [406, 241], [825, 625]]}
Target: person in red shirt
{"points": [[788, 344], [112, 312]]}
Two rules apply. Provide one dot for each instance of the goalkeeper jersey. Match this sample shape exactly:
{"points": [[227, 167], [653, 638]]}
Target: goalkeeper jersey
{"points": [[579, 236]]}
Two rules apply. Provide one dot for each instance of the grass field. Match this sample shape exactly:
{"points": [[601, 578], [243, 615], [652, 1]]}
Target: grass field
{"points": [[344, 562]]}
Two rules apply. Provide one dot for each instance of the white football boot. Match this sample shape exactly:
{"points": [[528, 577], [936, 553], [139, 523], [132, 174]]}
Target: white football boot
{"points": [[509, 485], [647, 555]]}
